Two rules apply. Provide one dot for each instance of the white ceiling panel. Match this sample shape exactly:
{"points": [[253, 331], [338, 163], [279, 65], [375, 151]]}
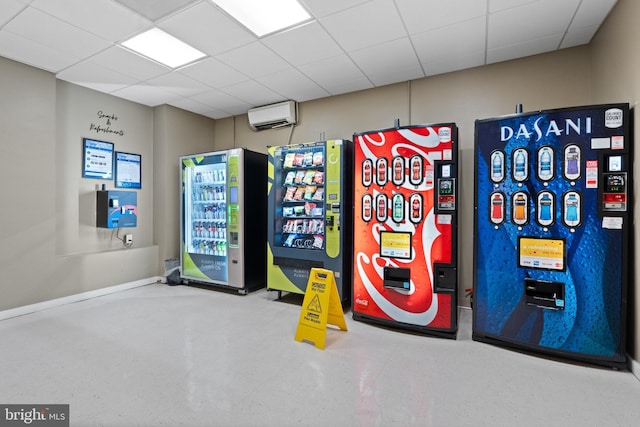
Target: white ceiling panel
{"points": [[254, 60], [461, 44], [44, 29], [32, 53], [294, 45], [381, 62], [206, 28], [9, 9], [520, 50], [146, 94], [321, 8], [222, 101], [425, 15], [213, 73], [292, 84], [95, 77], [349, 45], [156, 9], [253, 93], [530, 22], [366, 25], [115, 23], [126, 62]]}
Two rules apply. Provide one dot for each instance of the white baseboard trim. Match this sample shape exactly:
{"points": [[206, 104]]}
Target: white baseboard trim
{"points": [[635, 368], [31, 308]]}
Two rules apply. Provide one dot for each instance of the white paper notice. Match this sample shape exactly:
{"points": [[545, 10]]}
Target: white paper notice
{"points": [[612, 223]]}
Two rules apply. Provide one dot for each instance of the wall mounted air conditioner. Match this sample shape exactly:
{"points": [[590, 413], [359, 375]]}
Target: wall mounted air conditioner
{"points": [[273, 115]]}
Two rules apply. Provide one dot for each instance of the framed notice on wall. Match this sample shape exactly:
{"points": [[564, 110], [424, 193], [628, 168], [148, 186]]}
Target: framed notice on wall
{"points": [[128, 170], [97, 159]]}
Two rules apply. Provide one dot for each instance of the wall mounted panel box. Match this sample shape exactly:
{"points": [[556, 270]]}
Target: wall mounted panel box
{"points": [[116, 209], [552, 227]]}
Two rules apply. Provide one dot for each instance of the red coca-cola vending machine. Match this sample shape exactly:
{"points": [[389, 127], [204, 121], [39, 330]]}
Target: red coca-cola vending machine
{"points": [[405, 228]]}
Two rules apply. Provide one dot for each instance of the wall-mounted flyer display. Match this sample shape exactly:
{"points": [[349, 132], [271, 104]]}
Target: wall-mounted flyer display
{"points": [[552, 231]]}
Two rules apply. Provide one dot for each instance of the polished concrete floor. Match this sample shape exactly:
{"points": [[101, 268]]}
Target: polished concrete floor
{"points": [[182, 356]]}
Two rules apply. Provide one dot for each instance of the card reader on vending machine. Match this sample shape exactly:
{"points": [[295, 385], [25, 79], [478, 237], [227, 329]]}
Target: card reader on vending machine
{"points": [[614, 188]]}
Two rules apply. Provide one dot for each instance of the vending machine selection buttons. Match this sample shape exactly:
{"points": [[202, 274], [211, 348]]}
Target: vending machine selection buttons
{"points": [[571, 215], [367, 207], [520, 208], [497, 208], [497, 166], [416, 172], [545, 163], [397, 213], [520, 165], [381, 207], [545, 208], [571, 167], [398, 171], [415, 206], [381, 171], [367, 172]]}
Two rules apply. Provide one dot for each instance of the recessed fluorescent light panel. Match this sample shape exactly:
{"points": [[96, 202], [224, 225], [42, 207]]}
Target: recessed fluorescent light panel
{"points": [[163, 48], [265, 16]]}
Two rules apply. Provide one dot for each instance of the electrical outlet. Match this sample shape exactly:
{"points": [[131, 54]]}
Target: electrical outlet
{"points": [[128, 239]]}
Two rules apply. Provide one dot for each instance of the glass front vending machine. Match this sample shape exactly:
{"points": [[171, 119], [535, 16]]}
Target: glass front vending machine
{"points": [[552, 226], [222, 219], [405, 228], [309, 214]]}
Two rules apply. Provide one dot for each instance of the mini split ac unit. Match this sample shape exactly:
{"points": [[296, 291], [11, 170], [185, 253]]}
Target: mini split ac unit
{"points": [[273, 115]]}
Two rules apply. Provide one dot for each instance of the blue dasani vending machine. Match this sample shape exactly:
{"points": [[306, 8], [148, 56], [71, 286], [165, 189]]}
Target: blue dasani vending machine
{"points": [[552, 227]]}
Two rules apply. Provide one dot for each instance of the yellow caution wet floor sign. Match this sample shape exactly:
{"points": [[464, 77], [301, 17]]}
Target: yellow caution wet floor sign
{"points": [[321, 306]]}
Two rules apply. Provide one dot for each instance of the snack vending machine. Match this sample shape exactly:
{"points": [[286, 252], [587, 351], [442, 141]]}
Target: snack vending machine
{"points": [[405, 228], [553, 222], [223, 231], [309, 214]]}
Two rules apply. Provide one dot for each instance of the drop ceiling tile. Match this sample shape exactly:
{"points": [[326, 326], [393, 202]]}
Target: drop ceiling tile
{"points": [[294, 45], [591, 12], [365, 25], [320, 8], [9, 9], [388, 63], [498, 5], [218, 100], [420, 15], [207, 28], [151, 96], [126, 62], [531, 21], [34, 54], [334, 72], [292, 84], [104, 18], [156, 9], [46, 30], [95, 77], [578, 36], [189, 104], [253, 93], [451, 64], [520, 50], [254, 60], [177, 83], [348, 86], [460, 43], [218, 114], [213, 73]]}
